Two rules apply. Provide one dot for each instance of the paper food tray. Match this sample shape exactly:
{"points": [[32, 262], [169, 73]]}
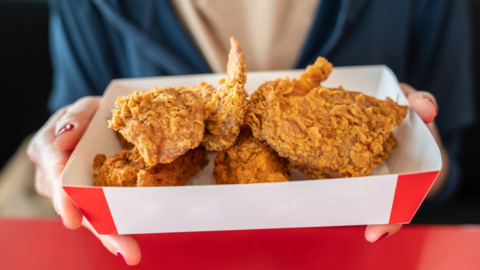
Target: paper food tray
{"points": [[391, 195]]}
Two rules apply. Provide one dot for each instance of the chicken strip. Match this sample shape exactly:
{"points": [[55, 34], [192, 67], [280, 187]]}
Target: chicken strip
{"points": [[326, 133], [250, 161], [128, 169], [162, 123], [223, 124]]}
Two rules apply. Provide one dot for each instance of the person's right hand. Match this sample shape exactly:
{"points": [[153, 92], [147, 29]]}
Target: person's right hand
{"points": [[50, 149]]}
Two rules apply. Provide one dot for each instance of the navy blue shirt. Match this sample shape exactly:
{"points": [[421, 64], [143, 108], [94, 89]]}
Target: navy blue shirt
{"points": [[427, 43]]}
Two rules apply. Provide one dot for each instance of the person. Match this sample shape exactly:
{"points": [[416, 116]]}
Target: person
{"points": [[426, 43]]}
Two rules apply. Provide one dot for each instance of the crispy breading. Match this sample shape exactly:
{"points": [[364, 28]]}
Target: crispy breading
{"points": [[312, 77], [250, 161], [128, 169], [314, 173], [162, 123], [223, 124], [208, 93], [324, 132]]}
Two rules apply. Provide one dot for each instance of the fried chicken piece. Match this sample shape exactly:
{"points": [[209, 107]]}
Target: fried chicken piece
{"points": [[314, 173], [223, 124], [326, 133], [388, 145], [126, 144], [312, 77], [162, 123], [208, 93], [250, 161], [128, 169]]}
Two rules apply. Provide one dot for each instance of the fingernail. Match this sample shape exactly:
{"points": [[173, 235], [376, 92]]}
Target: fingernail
{"points": [[65, 128], [433, 103], [381, 237], [119, 255]]}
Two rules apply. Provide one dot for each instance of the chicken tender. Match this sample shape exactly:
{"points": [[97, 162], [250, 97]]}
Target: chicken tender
{"points": [[128, 169], [223, 124], [326, 133], [163, 123], [250, 161]]}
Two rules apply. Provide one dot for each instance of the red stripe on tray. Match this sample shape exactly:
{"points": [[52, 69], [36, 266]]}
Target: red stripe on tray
{"points": [[410, 191], [93, 204]]}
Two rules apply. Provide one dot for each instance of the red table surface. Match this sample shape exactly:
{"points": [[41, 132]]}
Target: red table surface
{"points": [[45, 244]]}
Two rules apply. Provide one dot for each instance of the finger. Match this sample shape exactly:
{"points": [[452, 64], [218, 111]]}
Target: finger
{"points": [[50, 163], [123, 246], [43, 138], [424, 104], [66, 209], [70, 128], [50, 186], [40, 145], [407, 89], [40, 186], [375, 233], [70, 214]]}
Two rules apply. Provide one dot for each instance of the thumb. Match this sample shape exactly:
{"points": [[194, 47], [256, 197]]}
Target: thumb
{"points": [[70, 128], [123, 246], [423, 103], [375, 233]]}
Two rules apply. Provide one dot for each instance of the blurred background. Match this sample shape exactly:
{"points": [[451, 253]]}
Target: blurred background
{"points": [[26, 81]]}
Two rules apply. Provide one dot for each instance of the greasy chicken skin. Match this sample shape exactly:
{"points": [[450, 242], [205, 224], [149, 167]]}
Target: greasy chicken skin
{"points": [[223, 124], [250, 161], [162, 123], [325, 133], [128, 169]]}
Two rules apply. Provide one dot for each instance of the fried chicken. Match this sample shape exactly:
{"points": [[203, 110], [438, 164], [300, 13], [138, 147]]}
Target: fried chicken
{"points": [[128, 169], [123, 142], [311, 78], [326, 133], [208, 94], [165, 123], [314, 173], [162, 123], [250, 161], [223, 124]]}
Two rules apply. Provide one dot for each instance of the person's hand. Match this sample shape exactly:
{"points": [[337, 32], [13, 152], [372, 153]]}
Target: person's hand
{"points": [[50, 149], [425, 105]]}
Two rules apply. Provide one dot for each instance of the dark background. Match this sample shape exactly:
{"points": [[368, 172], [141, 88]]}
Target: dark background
{"points": [[25, 83]]}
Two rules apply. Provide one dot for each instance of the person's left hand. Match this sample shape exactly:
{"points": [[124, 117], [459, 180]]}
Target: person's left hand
{"points": [[425, 105]]}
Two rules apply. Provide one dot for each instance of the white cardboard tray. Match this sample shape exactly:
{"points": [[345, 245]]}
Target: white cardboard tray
{"points": [[391, 195]]}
